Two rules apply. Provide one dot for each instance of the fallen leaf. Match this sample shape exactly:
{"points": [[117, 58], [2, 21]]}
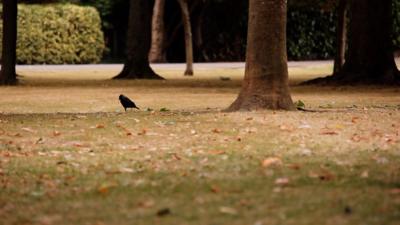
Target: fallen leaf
{"points": [[287, 128], [365, 174], [355, 119], [126, 170], [163, 212], [56, 133], [294, 166], [323, 176], [143, 132], [228, 210], [282, 181], [395, 191], [27, 129], [216, 130], [215, 189], [146, 204], [328, 132], [100, 126], [271, 162], [216, 152], [103, 190], [176, 156]]}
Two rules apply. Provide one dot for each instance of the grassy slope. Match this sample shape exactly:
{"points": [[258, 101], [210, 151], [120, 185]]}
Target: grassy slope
{"points": [[69, 155]]}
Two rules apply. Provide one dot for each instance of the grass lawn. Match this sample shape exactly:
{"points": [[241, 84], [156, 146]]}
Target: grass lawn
{"points": [[69, 154]]}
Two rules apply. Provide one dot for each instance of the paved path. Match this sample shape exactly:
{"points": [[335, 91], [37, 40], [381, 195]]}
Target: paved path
{"points": [[172, 66]]}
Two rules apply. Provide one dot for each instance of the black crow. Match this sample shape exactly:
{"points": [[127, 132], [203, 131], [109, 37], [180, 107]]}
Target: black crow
{"points": [[126, 102]]}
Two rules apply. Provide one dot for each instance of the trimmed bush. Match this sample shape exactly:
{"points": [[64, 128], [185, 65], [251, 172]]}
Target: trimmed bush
{"points": [[58, 34]]}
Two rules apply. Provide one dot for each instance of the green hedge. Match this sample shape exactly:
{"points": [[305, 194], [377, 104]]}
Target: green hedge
{"points": [[58, 34], [310, 34]]}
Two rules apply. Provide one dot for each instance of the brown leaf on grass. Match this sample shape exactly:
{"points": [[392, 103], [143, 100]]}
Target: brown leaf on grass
{"points": [[216, 131], [104, 190], [249, 118], [216, 152], [29, 130], [364, 174], [328, 132], [294, 166], [100, 126], [163, 212], [16, 135], [176, 156], [271, 162], [56, 133], [228, 210], [146, 203], [322, 175], [143, 132], [77, 144], [355, 119], [282, 181], [395, 191], [285, 127], [215, 189], [357, 138]]}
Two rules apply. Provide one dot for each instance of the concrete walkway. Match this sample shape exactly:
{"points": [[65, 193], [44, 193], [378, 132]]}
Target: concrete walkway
{"points": [[168, 66]]}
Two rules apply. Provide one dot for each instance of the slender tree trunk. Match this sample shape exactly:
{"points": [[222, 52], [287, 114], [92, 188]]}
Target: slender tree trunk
{"points": [[341, 36], [8, 75], [198, 32], [265, 84], [157, 51], [188, 37], [369, 59], [138, 42]]}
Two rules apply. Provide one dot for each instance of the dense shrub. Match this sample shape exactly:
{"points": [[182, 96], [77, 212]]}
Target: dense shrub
{"points": [[58, 34], [311, 31], [310, 34]]}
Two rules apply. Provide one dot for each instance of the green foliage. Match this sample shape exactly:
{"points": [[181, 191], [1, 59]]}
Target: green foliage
{"points": [[300, 104], [396, 24], [310, 33], [58, 34]]}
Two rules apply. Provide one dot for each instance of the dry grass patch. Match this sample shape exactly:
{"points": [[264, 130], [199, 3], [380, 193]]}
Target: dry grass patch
{"points": [[69, 155]]}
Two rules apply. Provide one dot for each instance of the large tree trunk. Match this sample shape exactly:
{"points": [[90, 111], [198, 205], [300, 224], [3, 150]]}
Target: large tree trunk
{"points": [[188, 37], [341, 35], [138, 42], [157, 53], [8, 75], [265, 84], [369, 59]]}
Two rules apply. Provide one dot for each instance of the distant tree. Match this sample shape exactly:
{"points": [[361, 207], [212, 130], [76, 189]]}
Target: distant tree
{"points": [[265, 85], [8, 75], [157, 51], [369, 59], [188, 37], [137, 65], [341, 35]]}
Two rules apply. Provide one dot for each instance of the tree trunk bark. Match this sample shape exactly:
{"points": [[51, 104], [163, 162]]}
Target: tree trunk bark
{"points": [[369, 59], [265, 84], [188, 37], [341, 36], [8, 75], [157, 51], [138, 42]]}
